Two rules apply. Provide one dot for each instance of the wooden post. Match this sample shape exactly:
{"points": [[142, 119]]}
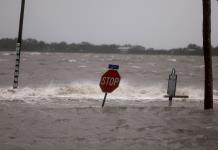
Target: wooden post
{"points": [[18, 46], [208, 90]]}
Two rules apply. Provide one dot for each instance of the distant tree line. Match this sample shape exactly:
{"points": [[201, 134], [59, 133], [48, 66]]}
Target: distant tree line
{"points": [[33, 45]]}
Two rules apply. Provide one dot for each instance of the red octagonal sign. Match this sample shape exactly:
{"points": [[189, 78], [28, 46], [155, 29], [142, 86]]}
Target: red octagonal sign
{"points": [[110, 81]]}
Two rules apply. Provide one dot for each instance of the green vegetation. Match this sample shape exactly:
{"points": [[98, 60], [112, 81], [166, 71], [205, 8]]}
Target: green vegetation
{"points": [[31, 45]]}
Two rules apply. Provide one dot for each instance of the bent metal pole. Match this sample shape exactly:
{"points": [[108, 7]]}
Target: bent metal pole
{"points": [[18, 46]]}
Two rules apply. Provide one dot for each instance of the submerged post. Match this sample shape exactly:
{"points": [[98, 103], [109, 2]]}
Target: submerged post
{"points": [[18, 46], [208, 90]]}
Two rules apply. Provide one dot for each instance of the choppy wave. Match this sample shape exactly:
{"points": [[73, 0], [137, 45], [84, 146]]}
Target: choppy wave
{"points": [[3, 60], [199, 66], [7, 53], [33, 53], [72, 60], [172, 60], [91, 90]]}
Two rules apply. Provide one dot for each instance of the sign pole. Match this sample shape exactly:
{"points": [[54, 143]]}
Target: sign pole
{"points": [[105, 96], [18, 46], [171, 90]]}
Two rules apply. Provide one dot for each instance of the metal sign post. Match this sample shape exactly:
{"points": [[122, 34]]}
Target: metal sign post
{"points": [[171, 90], [105, 96], [18, 46], [109, 81]]}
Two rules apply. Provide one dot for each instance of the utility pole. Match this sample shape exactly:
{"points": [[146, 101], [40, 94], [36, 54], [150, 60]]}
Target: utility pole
{"points": [[208, 89], [18, 46]]}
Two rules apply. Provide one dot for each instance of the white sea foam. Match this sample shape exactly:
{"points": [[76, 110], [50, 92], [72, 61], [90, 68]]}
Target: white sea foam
{"points": [[32, 53], [91, 90], [200, 66], [6, 54], [173, 60], [72, 60], [136, 67]]}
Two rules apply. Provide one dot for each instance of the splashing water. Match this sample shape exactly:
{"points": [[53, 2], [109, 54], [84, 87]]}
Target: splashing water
{"points": [[91, 90]]}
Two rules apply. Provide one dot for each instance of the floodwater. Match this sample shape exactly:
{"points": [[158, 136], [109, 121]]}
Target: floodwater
{"points": [[74, 75], [58, 103]]}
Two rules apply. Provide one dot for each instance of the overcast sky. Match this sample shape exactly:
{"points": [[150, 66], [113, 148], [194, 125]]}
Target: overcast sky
{"points": [[151, 23]]}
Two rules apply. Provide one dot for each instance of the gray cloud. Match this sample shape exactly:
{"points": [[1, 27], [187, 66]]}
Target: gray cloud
{"points": [[151, 23]]}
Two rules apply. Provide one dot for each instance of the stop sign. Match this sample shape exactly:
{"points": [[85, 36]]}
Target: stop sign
{"points": [[109, 81]]}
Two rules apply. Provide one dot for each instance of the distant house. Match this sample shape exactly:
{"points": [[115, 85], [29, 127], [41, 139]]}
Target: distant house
{"points": [[124, 49]]}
